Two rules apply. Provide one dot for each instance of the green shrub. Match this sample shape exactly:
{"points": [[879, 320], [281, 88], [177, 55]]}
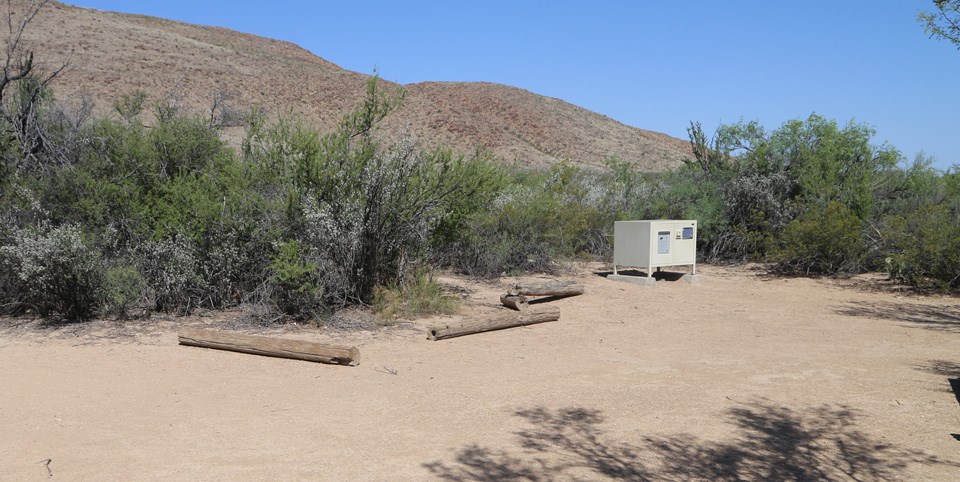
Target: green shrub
{"points": [[690, 193], [823, 240], [924, 248], [296, 288], [366, 212], [523, 231], [302, 221], [541, 217], [181, 145], [123, 289], [53, 271]]}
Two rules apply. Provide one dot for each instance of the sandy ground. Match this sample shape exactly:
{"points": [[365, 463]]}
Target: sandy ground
{"points": [[741, 376]]}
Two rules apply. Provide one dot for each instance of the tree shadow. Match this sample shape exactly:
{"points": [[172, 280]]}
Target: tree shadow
{"points": [[556, 442], [929, 316], [944, 368], [948, 369], [771, 443]]}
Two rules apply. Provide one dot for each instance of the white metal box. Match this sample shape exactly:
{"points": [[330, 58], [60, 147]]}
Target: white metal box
{"points": [[653, 244]]}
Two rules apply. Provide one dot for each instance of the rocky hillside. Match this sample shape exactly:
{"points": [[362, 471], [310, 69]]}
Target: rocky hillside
{"points": [[111, 54]]}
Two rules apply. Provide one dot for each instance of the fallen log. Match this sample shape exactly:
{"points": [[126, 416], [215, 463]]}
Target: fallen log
{"points": [[498, 321], [518, 303], [556, 288], [276, 347]]}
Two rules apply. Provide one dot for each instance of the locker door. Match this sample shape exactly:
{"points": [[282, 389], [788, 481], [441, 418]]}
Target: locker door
{"points": [[663, 242]]}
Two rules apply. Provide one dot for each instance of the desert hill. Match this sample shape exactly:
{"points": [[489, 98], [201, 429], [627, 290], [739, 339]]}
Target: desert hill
{"points": [[112, 54]]}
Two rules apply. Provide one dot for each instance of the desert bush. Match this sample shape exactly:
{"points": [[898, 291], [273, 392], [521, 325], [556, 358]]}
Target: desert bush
{"points": [[767, 180], [139, 189], [690, 193], [232, 260], [758, 207], [540, 218], [833, 163], [822, 240], [365, 212], [53, 271], [923, 248], [173, 276], [300, 222], [295, 289], [124, 289], [382, 222]]}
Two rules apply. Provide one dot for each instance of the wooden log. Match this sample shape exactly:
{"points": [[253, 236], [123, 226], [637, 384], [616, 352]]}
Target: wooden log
{"points": [[556, 288], [262, 345], [518, 303], [499, 321]]}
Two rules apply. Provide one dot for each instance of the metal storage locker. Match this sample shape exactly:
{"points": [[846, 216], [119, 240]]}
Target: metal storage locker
{"points": [[655, 243]]}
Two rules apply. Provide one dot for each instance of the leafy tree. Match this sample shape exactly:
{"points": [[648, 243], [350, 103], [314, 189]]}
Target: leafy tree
{"points": [[944, 22]]}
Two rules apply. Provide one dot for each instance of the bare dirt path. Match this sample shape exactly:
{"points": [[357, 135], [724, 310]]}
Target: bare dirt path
{"points": [[739, 376]]}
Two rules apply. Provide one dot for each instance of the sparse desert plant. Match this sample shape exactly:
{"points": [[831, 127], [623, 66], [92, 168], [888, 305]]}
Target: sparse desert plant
{"points": [[420, 295]]}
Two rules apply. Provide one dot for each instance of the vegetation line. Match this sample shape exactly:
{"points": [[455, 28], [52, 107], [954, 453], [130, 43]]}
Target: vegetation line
{"points": [[107, 217]]}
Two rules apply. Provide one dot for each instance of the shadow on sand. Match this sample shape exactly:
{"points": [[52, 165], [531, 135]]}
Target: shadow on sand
{"points": [[930, 316], [658, 275], [950, 370], [771, 443]]}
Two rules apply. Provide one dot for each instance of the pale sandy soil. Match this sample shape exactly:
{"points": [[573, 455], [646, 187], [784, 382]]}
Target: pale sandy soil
{"points": [[742, 375]]}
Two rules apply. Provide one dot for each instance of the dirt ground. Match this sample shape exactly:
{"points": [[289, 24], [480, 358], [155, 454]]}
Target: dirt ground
{"points": [[743, 375]]}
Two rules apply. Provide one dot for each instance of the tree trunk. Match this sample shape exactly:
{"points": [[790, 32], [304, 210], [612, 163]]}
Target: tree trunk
{"points": [[518, 303], [262, 345], [555, 288], [497, 321]]}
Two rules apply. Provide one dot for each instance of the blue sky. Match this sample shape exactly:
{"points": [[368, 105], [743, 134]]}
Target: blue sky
{"points": [[654, 65]]}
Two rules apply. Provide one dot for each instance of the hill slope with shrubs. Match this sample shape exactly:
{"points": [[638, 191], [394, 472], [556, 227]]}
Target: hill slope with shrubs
{"points": [[113, 54]]}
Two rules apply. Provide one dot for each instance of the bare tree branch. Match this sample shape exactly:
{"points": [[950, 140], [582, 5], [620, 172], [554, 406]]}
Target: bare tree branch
{"points": [[23, 85]]}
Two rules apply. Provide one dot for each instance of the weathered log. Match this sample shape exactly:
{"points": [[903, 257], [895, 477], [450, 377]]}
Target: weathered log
{"points": [[556, 288], [518, 303], [498, 321], [276, 347]]}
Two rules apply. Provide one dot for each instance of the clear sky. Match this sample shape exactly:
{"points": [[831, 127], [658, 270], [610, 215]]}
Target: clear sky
{"points": [[655, 65]]}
